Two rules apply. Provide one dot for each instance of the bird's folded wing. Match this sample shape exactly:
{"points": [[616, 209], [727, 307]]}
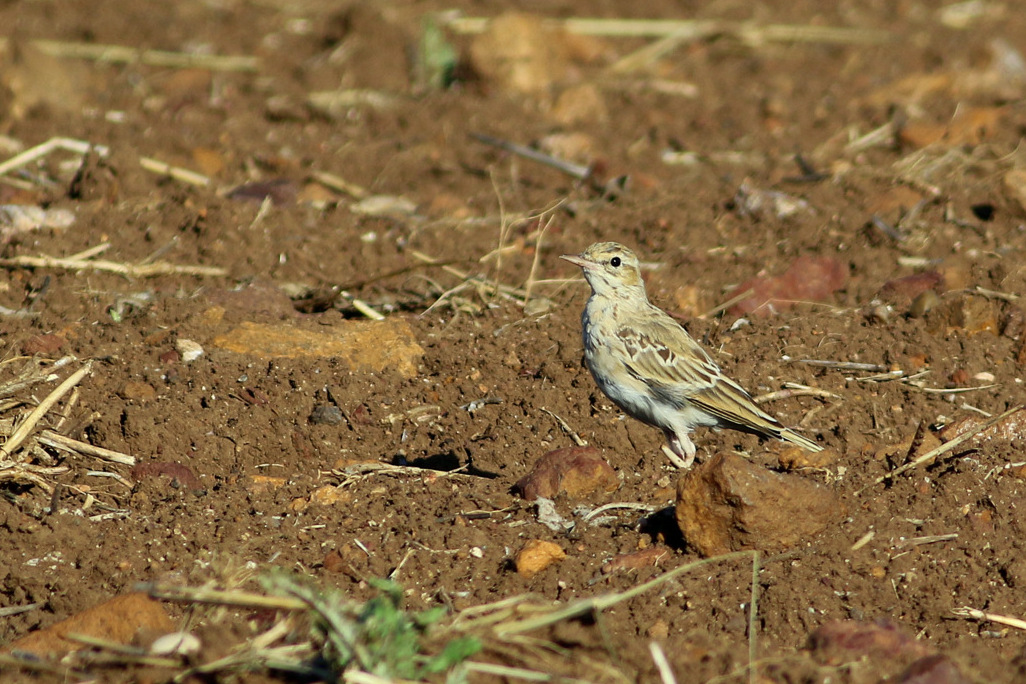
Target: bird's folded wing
{"points": [[661, 354], [729, 402]]}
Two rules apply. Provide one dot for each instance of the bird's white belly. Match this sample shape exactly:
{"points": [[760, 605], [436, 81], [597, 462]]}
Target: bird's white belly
{"points": [[637, 399]]}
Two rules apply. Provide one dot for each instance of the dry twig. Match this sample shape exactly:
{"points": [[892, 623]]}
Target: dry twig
{"points": [[793, 389], [240, 599], [51, 145], [973, 614], [611, 506], [930, 539], [176, 172], [847, 365], [566, 428], [27, 425], [749, 32], [59, 441], [716, 310], [661, 663], [17, 610], [150, 270], [361, 471], [120, 54]]}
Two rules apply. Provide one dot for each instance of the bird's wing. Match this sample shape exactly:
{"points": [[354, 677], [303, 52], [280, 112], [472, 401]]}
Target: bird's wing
{"points": [[666, 358], [731, 403], [661, 354]]}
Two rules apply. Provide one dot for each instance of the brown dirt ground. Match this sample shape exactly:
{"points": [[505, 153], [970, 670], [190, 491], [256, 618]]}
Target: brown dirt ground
{"points": [[229, 417]]}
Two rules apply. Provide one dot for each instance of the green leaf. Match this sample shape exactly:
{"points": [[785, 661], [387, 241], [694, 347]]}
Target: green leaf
{"points": [[454, 653], [436, 57]]}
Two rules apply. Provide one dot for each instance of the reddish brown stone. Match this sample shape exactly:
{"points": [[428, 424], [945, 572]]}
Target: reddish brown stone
{"points": [[44, 345], [729, 504], [122, 620], [807, 279], [934, 669], [176, 471], [575, 471], [638, 559], [842, 641]]}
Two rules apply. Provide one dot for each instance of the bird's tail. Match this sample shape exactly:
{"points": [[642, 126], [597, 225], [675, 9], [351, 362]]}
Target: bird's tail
{"points": [[793, 437]]}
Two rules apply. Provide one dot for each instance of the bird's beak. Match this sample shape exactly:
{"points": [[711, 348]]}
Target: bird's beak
{"points": [[578, 260]]}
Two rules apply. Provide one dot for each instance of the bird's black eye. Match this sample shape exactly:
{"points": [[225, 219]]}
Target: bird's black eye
{"points": [[614, 262]]}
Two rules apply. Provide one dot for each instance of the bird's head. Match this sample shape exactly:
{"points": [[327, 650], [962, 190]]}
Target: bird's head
{"points": [[610, 268]]}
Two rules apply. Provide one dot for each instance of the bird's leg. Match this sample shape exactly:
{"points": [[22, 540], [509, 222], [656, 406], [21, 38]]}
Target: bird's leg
{"points": [[681, 450]]}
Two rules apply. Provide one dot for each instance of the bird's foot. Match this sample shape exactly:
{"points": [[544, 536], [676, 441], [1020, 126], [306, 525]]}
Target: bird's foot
{"points": [[675, 459]]}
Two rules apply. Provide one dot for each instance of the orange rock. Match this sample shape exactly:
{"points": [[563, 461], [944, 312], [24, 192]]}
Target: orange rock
{"points": [[122, 619], [262, 483], [33, 78], [536, 555], [960, 378], [177, 472], [575, 471], [658, 630], [209, 161], [212, 316], [182, 85], [970, 126], [520, 53], [328, 495], [365, 346], [968, 314], [728, 504], [157, 337], [956, 275], [138, 391], [449, 205], [793, 458], [910, 89], [921, 133], [333, 562]]}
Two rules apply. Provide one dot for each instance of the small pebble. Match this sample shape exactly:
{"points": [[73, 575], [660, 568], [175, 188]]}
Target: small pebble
{"points": [[189, 349], [326, 414], [658, 630], [42, 344], [175, 643], [536, 555]]}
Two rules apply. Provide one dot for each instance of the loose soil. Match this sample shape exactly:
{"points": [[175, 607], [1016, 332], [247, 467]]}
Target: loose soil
{"points": [[253, 450]]}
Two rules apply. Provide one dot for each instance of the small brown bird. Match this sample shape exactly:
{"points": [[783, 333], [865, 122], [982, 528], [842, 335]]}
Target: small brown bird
{"points": [[651, 367]]}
